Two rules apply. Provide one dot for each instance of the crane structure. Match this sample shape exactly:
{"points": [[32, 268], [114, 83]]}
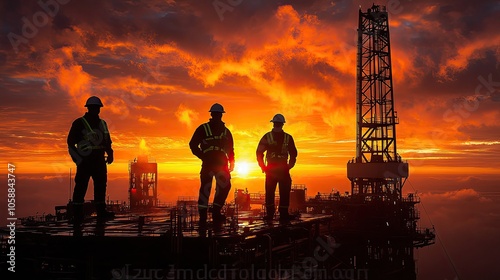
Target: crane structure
{"points": [[377, 172]]}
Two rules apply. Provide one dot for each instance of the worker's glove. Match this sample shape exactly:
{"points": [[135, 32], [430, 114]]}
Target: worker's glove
{"points": [[75, 157], [231, 166], [263, 168], [110, 158], [200, 155]]}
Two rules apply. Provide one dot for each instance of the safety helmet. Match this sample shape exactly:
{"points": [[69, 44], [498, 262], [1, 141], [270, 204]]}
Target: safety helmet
{"points": [[278, 118], [94, 100], [217, 108]]}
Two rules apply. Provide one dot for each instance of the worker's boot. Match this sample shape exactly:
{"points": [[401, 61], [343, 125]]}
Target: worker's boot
{"points": [[78, 214], [203, 218], [269, 216], [285, 216], [103, 214], [217, 217]]}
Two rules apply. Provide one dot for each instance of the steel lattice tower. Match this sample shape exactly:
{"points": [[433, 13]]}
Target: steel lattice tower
{"points": [[377, 172]]}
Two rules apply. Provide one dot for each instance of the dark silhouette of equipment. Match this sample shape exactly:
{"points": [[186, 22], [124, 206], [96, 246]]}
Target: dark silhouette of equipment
{"points": [[376, 218], [143, 190], [375, 223], [377, 172], [298, 196]]}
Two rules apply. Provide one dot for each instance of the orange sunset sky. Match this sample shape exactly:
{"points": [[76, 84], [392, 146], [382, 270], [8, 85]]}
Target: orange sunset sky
{"points": [[158, 66]]}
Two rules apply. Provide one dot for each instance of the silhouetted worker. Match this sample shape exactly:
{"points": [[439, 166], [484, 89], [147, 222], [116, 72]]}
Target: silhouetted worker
{"points": [[88, 142], [212, 142], [281, 155]]}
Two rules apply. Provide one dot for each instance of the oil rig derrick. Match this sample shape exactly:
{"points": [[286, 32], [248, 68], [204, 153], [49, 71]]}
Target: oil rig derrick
{"points": [[377, 172], [376, 214]]}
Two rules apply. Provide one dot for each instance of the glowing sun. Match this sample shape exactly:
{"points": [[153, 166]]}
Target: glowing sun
{"points": [[242, 168]]}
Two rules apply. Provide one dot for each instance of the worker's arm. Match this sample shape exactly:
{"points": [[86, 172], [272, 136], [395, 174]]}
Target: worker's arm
{"points": [[107, 144], [292, 151], [195, 142], [261, 148], [230, 150], [72, 140]]}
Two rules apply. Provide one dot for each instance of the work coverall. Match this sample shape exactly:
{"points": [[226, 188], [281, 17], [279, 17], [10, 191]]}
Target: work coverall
{"points": [[88, 142], [281, 155], [212, 142]]}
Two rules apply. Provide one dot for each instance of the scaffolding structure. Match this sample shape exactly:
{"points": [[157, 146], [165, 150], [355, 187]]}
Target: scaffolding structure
{"points": [[143, 191]]}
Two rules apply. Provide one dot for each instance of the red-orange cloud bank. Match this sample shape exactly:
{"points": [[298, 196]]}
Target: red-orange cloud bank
{"points": [[158, 66]]}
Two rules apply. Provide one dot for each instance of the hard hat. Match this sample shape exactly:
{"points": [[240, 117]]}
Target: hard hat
{"points": [[217, 108], [94, 100], [278, 118]]}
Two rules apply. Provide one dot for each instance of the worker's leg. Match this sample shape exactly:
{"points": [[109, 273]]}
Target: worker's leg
{"points": [[100, 178], [82, 178], [206, 177], [270, 187], [222, 188], [285, 186]]}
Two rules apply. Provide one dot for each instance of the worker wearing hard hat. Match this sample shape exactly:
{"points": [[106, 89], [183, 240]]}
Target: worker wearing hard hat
{"points": [[88, 142], [281, 155], [212, 142]]}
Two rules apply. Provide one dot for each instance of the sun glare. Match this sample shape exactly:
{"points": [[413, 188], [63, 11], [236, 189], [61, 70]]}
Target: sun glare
{"points": [[242, 168]]}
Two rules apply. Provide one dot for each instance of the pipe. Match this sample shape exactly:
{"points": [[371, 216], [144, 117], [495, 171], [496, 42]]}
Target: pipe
{"points": [[269, 251]]}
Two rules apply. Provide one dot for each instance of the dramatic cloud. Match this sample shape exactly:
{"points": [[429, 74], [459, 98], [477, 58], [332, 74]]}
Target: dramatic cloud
{"points": [[466, 220], [186, 115], [143, 147], [156, 64], [460, 195]]}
